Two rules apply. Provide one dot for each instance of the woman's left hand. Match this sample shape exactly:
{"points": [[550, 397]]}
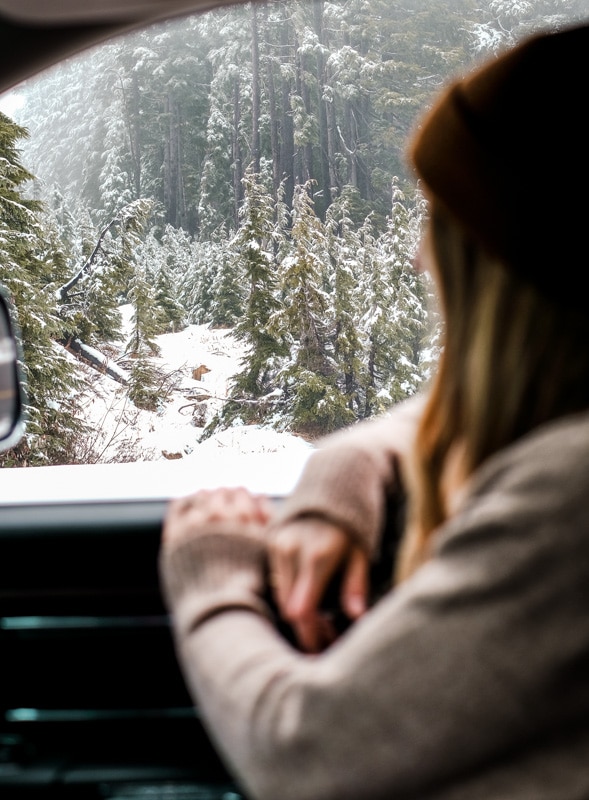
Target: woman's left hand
{"points": [[188, 517]]}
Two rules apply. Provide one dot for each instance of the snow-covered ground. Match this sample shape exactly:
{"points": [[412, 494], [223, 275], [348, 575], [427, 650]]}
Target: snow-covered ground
{"points": [[138, 453], [198, 364]]}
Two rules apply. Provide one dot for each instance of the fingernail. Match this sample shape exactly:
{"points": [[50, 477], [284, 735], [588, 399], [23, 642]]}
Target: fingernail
{"points": [[356, 605]]}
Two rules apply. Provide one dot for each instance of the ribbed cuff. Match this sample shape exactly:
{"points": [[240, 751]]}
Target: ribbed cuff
{"points": [[341, 486], [214, 572]]}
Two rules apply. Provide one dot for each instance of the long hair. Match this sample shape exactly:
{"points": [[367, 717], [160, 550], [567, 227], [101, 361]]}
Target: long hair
{"points": [[511, 360]]}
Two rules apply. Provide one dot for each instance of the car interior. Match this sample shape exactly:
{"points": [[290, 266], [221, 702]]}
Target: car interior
{"points": [[92, 701]]}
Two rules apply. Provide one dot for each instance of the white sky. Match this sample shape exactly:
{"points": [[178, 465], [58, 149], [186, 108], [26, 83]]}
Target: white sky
{"points": [[10, 102]]}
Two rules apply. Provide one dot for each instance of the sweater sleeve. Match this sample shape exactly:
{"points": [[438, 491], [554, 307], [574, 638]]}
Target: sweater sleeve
{"points": [[214, 572], [346, 481], [469, 660]]}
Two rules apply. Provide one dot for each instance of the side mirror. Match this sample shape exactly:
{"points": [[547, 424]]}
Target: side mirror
{"points": [[11, 391]]}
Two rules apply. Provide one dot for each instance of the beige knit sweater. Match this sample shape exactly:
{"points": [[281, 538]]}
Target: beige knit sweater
{"points": [[469, 682]]}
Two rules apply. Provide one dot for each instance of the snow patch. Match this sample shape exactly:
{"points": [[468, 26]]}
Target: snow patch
{"points": [[260, 458]]}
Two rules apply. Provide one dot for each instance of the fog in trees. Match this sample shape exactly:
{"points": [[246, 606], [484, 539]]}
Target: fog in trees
{"points": [[243, 169]]}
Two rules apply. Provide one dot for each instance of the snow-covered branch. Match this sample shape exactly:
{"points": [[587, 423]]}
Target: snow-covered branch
{"points": [[63, 291]]}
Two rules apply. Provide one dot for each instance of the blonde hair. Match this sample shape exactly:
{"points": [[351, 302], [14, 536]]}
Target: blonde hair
{"points": [[511, 360]]}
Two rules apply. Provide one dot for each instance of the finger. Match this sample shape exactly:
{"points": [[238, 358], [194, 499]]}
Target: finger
{"points": [[283, 569], [187, 515], [230, 504], [354, 591], [257, 508], [300, 597], [308, 633], [182, 515], [327, 631], [311, 582], [316, 632], [242, 505], [265, 508], [184, 504]]}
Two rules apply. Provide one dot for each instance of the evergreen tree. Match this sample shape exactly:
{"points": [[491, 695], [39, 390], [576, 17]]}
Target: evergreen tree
{"points": [[116, 187], [217, 203], [153, 257], [91, 297], [395, 320], [26, 269], [147, 319], [178, 112], [195, 266], [375, 323], [226, 305], [253, 247], [505, 22], [144, 383], [308, 378], [167, 303], [407, 314], [348, 340]]}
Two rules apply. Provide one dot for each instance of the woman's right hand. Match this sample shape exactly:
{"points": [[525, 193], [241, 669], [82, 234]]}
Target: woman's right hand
{"points": [[304, 557]]}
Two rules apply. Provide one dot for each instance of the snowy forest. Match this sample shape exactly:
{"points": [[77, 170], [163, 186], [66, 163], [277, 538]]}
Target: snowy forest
{"points": [[243, 171]]}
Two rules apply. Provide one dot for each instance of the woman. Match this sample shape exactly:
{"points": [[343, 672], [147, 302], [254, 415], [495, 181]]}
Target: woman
{"points": [[469, 678]]}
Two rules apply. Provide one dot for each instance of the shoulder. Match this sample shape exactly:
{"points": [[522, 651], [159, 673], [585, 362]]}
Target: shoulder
{"points": [[556, 443], [549, 465], [528, 506]]}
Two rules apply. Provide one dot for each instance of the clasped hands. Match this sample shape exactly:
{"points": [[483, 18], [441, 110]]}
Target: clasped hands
{"points": [[303, 556]]}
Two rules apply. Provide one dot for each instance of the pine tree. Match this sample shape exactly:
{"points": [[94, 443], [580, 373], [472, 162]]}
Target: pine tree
{"points": [[169, 113], [226, 305], [167, 303], [195, 266], [144, 383], [395, 319], [253, 249], [408, 313], [251, 259], [348, 341], [152, 256], [26, 270], [147, 319], [505, 22], [308, 379], [374, 323], [91, 297]]}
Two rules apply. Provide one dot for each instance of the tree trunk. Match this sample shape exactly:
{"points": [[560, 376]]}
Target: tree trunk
{"points": [[95, 359], [255, 91], [334, 182], [173, 191], [287, 148], [236, 152], [134, 127], [370, 389], [327, 124], [303, 92], [274, 125]]}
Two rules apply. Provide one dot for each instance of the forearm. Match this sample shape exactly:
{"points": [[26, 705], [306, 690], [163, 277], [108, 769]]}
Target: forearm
{"points": [[379, 714], [271, 710], [211, 574]]}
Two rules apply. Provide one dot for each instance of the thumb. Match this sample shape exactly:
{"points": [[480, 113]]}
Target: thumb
{"points": [[354, 591]]}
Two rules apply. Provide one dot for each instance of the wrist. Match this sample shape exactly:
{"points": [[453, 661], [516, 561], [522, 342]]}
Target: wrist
{"points": [[214, 572]]}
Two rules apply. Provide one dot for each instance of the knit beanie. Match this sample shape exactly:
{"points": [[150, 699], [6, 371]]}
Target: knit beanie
{"points": [[506, 151]]}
